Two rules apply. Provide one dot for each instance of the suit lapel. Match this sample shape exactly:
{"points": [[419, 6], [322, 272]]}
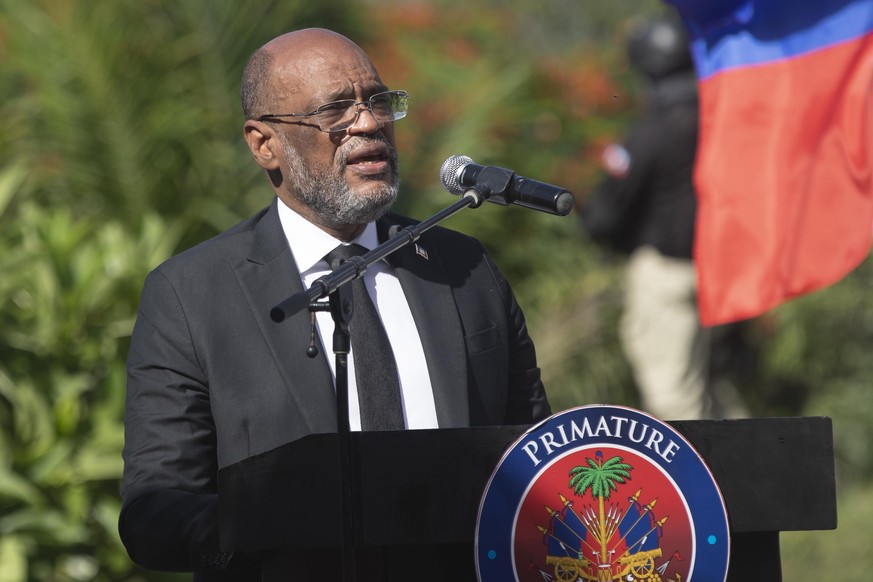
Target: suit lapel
{"points": [[267, 276], [431, 301]]}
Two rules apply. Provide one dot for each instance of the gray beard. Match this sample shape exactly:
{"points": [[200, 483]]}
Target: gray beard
{"points": [[328, 194]]}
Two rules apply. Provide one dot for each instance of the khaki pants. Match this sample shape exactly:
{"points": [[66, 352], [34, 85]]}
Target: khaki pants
{"points": [[663, 339]]}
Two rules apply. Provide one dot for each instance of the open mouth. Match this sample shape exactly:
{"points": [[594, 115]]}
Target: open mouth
{"points": [[370, 159]]}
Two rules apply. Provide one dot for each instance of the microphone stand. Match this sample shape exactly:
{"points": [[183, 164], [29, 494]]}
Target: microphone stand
{"points": [[340, 304]]}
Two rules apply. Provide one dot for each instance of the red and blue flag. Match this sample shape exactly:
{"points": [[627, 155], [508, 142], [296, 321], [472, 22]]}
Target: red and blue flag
{"points": [[784, 169]]}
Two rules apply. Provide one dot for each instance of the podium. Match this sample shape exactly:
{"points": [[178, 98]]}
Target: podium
{"points": [[423, 487]]}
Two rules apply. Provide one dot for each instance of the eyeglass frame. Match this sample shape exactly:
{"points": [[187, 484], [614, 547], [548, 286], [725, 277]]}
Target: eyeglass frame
{"points": [[321, 109]]}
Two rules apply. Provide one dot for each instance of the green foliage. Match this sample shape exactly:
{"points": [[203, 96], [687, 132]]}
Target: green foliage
{"points": [[121, 145], [817, 357]]}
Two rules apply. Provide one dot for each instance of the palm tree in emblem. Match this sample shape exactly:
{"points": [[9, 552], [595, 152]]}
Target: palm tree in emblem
{"points": [[602, 478]]}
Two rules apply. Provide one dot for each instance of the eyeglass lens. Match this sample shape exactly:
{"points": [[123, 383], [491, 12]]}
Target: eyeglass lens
{"points": [[339, 115]]}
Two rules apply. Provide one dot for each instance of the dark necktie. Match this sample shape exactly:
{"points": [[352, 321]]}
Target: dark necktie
{"points": [[375, 368]]}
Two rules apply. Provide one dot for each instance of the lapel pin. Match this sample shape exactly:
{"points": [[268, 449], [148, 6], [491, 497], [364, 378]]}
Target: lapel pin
{"points": [[420, 251]]}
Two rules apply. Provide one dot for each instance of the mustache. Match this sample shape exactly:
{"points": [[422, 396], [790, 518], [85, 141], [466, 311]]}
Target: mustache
{"points": [[357, 141]]}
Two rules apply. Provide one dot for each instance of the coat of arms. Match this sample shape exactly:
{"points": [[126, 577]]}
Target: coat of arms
{"points": [[602, 494]]}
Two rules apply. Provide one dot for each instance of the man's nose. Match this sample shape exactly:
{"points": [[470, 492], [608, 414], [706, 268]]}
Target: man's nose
{"points": [[365, 122]]}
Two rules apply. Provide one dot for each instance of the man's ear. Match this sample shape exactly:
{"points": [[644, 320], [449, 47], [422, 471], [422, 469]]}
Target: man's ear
{"points": [[263, 143]]}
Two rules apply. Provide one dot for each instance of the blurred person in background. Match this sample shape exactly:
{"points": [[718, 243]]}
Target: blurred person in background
{"points": [[646, 207]]}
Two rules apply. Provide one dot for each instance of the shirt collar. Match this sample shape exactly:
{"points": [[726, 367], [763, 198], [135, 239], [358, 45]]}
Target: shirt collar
{"points": [[309, 244]]}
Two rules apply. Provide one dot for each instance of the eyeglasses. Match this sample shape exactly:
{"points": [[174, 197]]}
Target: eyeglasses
{"points": [[340, 115]]}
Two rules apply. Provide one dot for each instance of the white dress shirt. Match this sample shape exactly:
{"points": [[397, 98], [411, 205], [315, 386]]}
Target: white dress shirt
{"points": [[309, 245]]}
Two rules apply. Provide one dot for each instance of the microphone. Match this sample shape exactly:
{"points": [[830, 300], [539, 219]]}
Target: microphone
{"points": [[501, 186]]}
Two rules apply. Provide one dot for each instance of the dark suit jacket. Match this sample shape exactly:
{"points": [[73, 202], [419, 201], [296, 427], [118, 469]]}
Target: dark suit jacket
{"points": [[213, 380]]}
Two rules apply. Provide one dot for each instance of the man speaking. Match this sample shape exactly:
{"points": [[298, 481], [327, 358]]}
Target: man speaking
{"points": [[437, 341]]}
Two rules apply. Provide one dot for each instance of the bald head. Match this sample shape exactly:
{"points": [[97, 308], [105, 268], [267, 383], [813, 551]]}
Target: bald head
{"points": [[339, 179], [310, 38], [289, 62]]}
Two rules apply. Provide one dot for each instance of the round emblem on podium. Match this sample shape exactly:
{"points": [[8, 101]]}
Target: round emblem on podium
{"points": [[602, 494]]}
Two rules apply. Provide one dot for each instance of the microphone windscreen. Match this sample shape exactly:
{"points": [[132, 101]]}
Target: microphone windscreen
{"points": [[449, 173]]}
